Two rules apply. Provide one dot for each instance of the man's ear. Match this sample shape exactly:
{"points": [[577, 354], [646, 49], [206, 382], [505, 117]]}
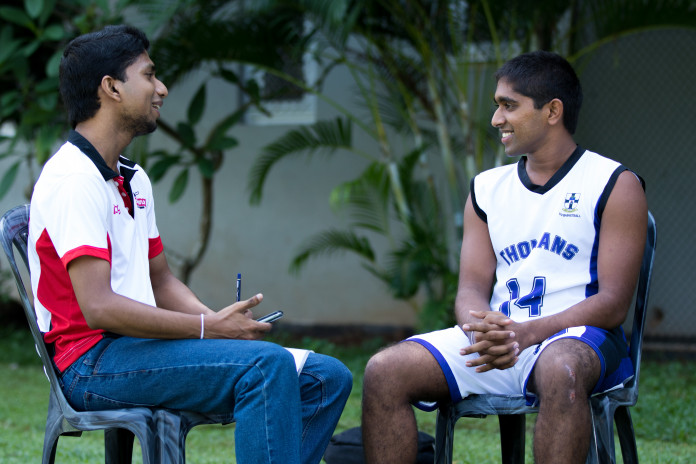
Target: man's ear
{"points": [[555, 111], [109, 87]]}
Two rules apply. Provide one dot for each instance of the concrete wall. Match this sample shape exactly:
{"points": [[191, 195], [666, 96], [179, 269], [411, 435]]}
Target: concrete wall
{"points": [[639, 101]]}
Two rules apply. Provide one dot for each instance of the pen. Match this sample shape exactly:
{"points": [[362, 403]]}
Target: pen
{"points": [[239, 286]]}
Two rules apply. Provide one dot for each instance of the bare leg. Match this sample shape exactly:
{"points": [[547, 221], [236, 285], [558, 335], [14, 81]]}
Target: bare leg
{"points": [[394, 378], [563, 378]]}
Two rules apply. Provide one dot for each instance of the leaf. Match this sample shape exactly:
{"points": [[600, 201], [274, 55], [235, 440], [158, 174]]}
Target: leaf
{"points": [[206, 167], [216, 139], [53, 32], [188, 136], [229, 76], [30, 48], [47, 102], [8, 179], [179, 186], [223, 143], [7, 48], [15, 15], [9, 102], [33, 7], [197, 106], [53, 64], [160, 168], [49, 85]]}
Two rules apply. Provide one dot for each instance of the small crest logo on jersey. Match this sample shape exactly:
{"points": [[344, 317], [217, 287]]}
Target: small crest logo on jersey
{"points": [[140, 203], [571, 202], [117, 210]]}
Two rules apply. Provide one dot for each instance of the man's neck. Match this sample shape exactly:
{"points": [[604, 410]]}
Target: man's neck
{"points": [[543, 164], [109, 144]]}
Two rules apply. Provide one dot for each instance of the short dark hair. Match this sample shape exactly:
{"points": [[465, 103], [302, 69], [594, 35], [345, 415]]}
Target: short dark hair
{"points": [[90, 57], [543, 76]]}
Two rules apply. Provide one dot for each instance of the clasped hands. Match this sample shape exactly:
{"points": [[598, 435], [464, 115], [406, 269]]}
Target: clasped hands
{"points": [[493, 337]]}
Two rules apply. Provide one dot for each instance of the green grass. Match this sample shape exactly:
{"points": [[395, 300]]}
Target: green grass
{"points": [[664, 418]]}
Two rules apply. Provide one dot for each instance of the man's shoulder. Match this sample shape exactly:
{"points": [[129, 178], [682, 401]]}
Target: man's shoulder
{"points": [[496, 174], [590, 156], [69, 159], [68, 168]]}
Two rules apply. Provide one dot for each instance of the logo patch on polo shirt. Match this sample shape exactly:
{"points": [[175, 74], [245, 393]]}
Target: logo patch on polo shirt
{"points": [[117, 210], [141, 203]]}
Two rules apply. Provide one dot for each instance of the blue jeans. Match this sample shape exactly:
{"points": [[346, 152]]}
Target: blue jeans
{"points": [[280, 417]]}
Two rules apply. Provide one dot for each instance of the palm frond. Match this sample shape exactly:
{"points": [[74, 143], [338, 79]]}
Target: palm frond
{"points": [[199, 33], [367, 199], [324, 136], [331, 242]]}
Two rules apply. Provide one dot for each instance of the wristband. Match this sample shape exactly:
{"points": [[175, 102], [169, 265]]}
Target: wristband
{"points": [[202, 325]]}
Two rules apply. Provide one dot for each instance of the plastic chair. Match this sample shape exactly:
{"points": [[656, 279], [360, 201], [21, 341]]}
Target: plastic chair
{"points": [[607, 408], [120, 425], [174, 426]]}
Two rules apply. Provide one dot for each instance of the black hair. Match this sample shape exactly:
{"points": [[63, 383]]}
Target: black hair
{"points": [[543, 76], [90, 57]]}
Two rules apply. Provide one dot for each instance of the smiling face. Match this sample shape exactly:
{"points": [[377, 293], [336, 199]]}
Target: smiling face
{"points": [[141, 95], [523, 127]]}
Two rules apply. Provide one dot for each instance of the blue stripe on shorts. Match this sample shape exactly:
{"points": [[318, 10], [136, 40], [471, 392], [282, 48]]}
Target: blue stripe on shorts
{"points": [[611, 348]]}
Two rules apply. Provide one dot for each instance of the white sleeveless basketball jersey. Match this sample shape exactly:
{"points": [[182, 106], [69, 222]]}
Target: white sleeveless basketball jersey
{"points": [[545, 237]]}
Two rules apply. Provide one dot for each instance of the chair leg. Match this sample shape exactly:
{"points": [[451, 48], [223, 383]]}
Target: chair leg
{"points": [[444, 435], [118, 446], [170, 442], [627, 436], [512, 436], [602, 444], [49, 451]]}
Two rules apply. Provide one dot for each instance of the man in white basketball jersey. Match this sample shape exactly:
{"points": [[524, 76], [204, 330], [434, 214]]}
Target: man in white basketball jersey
{"points": [[550, 257]]}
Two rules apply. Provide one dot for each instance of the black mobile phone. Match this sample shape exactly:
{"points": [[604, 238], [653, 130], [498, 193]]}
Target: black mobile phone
{"points": [[274, 316]]}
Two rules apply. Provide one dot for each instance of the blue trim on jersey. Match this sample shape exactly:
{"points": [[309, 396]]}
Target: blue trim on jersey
{"points": [[592, 288], [449, 376], [604, 197], [481, 213]]}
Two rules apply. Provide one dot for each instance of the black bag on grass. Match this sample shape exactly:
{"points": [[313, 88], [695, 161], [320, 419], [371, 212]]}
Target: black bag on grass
{"points": [[347, 448]]}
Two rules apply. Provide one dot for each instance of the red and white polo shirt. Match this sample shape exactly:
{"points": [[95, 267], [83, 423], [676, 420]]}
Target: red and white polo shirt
{"points": [[77, 209]]}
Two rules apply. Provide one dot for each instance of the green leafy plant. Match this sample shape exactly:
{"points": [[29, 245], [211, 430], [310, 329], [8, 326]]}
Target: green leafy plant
{"points": [[32, 36]]}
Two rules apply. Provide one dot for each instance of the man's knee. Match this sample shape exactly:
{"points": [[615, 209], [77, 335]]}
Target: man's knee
{"points": [[568, 369], [405, 371], [389, 364]]}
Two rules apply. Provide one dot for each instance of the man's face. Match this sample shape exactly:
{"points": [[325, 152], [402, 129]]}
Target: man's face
{"points": [[142, 95], [523, 128]]}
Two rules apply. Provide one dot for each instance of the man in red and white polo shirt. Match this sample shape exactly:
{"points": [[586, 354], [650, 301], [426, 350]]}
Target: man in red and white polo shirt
{"points": [[125, 330]]}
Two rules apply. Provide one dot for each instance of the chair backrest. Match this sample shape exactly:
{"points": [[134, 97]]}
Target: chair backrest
{"points": [[641, 306], [14, 233]]}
